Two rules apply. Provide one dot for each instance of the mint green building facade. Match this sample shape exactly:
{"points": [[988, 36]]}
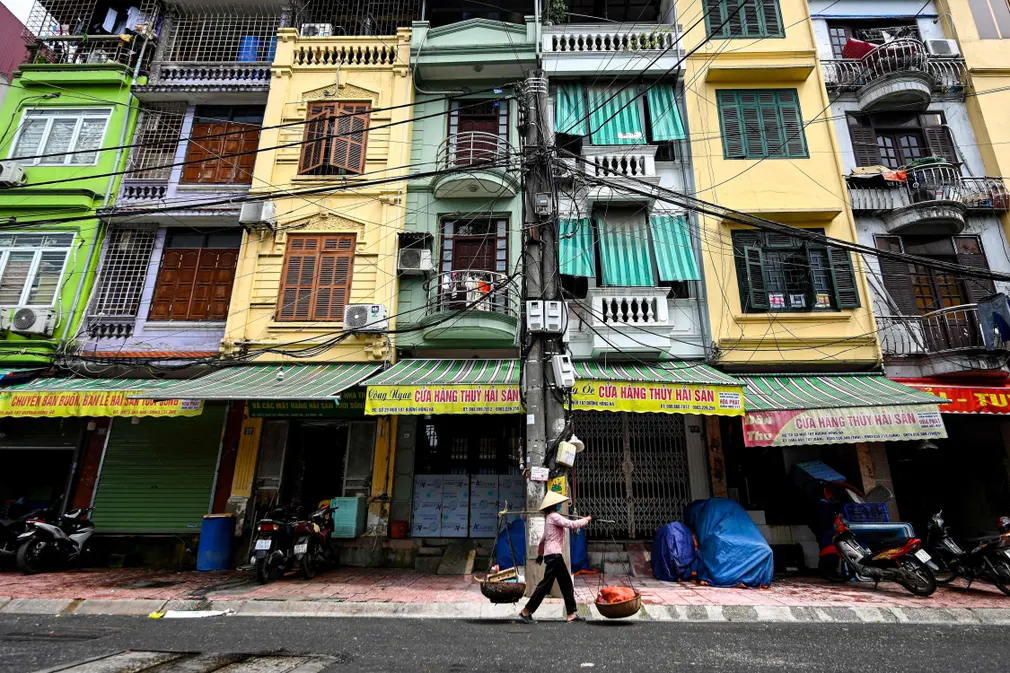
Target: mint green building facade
{"points": [[61, 116]]}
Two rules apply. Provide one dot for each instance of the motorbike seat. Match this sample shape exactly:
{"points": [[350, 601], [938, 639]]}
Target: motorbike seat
{"points": [[886, 543]]}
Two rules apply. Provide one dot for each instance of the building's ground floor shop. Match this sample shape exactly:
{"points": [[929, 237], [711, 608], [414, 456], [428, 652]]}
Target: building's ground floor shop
{"points": [[37, 461]]}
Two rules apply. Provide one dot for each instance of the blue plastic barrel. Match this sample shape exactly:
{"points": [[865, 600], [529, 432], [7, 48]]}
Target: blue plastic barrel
{"points": [[249, 49], [215, 542]]}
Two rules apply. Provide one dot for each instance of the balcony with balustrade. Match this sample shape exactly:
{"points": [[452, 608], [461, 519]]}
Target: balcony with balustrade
{"points": [[900, 74], [619, 166], [934, 199], [483, 305], [477, 165], [946, 341], [573, 49], [641, 321]]}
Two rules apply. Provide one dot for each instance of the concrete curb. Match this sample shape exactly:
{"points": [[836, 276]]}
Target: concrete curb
{"points": [[552, 611]]}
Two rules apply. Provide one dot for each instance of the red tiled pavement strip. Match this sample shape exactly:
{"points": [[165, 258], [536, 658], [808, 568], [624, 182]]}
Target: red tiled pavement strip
{"points": [[373, 585]]}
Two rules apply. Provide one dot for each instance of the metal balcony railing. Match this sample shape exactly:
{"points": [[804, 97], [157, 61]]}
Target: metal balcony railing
{"points": [[933, 182], [896, 57], [203, 74], [925, 184], [489, 291], [948, 330], [87, 49], [474, 148], [985, 193]]}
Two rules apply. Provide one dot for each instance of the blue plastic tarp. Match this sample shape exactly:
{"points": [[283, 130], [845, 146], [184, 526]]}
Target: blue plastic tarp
{"points": [[580, 550], [502, 554], [731, 550], [673, 555]]}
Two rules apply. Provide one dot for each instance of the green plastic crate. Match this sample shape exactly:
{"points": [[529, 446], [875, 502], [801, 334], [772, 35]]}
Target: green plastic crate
{"points": [[349, 516]]}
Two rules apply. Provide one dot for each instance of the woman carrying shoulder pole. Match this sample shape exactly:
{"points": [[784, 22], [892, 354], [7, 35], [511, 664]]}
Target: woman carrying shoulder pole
{"points": [[549, 553]]}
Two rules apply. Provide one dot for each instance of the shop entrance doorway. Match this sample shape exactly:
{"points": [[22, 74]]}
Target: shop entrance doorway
{"points": [[314, 466]]}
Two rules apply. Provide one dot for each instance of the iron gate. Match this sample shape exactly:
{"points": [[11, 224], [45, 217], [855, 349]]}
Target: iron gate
{"points": [[633, 471]]}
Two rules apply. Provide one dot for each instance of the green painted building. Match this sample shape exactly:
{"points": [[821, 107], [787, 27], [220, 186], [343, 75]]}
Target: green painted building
{"points": [[54, 182]]}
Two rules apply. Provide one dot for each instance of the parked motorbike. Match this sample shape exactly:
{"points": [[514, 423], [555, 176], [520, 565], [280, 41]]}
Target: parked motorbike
{"points": [[273, 552], [897, 560], [989, 560], [14, 526], [47, 545], [312, 547]]}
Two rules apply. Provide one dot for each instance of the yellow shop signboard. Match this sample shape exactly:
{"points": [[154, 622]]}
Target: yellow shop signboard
{"points": [[662, 398], [439, 399], [92, 403]]}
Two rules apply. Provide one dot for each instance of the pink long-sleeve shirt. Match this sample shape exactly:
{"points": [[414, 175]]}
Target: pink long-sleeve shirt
{"points": [[553, 540]]}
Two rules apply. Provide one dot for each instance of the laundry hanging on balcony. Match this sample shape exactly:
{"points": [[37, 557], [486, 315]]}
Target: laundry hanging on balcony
{"points": [[624, 252], [616, 117], [570, 112], [674, 252], [576, 254], [664, 114]]}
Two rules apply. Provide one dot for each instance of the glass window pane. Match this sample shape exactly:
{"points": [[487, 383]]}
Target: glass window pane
{"points": [[225, 240], [57, 240], [12, 282], [184, 240], [47, 278], [90, 138], [28, 241], [31, 134], [58, 141]]}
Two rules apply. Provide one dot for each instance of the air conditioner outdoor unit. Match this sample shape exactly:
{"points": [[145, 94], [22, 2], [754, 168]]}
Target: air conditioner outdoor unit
{"points": [[942, 48], [365, 318], [25, 320], [414, 261], [316, 30], [258, 213], [11, 174]]}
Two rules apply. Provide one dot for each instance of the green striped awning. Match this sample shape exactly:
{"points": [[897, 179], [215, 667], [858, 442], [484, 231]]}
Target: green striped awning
{"points": [[625, 254], [674, 252], [449, 373], [626, 127], [570, 113], [664, 114], [788, 392], [268, 382], [85, 385], [697, 373], [576, 254]]}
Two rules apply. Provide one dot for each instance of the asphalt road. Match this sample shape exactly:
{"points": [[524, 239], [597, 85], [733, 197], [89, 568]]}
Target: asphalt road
{"points": [[418, 646]]}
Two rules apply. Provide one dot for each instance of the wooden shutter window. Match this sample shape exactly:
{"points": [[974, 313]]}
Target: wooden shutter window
{"points": [[336, 137], [969, 252], [792, 125], [743, 18], [864, 145], [194, 284], [757, 286], [897, 277], [316, 279], [729, 118], [715, 16], [314, 141], [759, 124], [941, 143], [772, 18], [348, 148], [209, 142], [843, 278]]}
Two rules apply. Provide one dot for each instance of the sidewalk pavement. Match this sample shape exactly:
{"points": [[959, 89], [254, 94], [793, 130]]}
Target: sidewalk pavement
{"points": [[377, 592]]}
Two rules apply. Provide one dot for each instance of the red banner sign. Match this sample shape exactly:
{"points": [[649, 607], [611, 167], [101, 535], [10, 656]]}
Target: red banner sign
{"points": [[968, 399]]}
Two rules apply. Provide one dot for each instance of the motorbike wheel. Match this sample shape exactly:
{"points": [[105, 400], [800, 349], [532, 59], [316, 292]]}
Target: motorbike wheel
{"points": [[1001, 574], [946, 570], [835, 569], [265, 573], [307, 566], [923, 582], [30, 556]]}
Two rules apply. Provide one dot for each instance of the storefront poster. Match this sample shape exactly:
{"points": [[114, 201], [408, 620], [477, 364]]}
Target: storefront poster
{"points": [[483, 505], [455, 506], [969, 400], [657, 398], [92, 403], [511, 493], [412, 400], [427, 519], [843, 425], [349, 404]]}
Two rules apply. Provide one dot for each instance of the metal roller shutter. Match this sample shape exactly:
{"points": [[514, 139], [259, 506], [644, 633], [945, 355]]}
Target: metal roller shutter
{"points": [[158, 476]]}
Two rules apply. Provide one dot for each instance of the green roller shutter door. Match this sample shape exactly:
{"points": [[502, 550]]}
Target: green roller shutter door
{"points": [[157, 476]]}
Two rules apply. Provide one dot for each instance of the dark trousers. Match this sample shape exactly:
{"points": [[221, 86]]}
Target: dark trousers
{"points": [[554, 569]]}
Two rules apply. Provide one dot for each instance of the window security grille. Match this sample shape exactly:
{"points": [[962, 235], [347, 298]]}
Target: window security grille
{"points": [[123, 272], [49, 18], [223, 36], [360, 17], [157, 139]]}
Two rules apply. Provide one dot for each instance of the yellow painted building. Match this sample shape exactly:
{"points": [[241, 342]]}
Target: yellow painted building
{"points": [[336, 119], [747, 97]]}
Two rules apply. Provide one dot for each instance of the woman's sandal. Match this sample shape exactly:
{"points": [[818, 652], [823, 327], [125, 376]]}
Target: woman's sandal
{"points": [[578, 618]]}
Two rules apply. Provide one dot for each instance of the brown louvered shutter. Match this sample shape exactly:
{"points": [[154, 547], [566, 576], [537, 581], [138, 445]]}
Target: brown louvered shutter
{"points": [[969, 253], [173, 291], [864, 145], [897, 277], [336, 264], [298, 278], [347, 149], [212, 291], [315, 141], [941, 143]]}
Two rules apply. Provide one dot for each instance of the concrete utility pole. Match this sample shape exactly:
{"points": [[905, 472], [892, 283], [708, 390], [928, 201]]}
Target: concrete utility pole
{"points": [[536, 165]]}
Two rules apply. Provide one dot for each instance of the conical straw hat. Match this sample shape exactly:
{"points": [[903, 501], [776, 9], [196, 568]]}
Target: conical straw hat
{"points": [[552, 498]]}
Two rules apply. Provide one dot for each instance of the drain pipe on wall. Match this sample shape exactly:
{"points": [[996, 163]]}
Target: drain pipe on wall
{"points": [[108, 191]]}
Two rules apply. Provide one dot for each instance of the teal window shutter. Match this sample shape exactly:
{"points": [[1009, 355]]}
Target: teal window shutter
{"points": [[616, 117], [576, 252], [743, 18], [675, 258], [792, 124], [664, 114], [570, 113], [843, 278], [625, 254], [757, 285], [761, 123], [730, 125]]}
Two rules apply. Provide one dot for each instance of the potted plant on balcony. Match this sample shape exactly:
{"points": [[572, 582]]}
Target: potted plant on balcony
{"points": [[557, 12]]}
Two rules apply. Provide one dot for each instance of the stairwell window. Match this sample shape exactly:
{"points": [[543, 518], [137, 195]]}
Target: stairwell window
{"points": [[336, 139], [196, 276], [743, 18], [56, 132], [31, 268], [316, 278], [780, 273], [761, 123]]}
